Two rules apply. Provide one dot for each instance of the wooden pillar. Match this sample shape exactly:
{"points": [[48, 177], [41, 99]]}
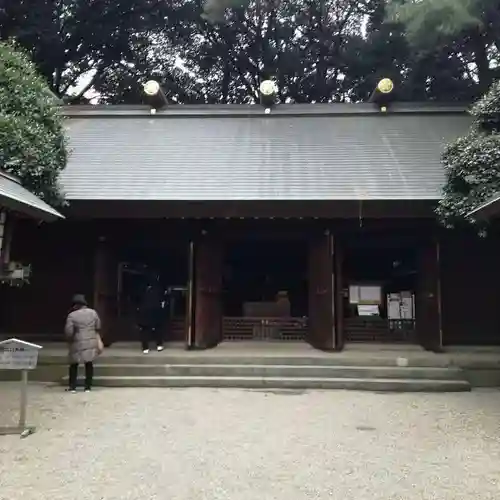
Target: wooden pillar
{"points": [[190, 299], [428, 297], [338, 290], [105, 288], [321, 330], [208, 268]]}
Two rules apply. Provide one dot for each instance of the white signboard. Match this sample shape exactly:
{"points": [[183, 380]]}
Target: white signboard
{"points": [[18, 355], [368, 310]]}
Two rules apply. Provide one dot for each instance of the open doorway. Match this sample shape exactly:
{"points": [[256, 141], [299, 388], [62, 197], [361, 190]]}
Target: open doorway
{"points": [[167, 268], [380, 286], [265, 290]]}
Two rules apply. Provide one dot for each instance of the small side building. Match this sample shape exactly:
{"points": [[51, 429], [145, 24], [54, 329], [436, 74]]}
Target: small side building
{"points": [[17, 204], [311, 222]]}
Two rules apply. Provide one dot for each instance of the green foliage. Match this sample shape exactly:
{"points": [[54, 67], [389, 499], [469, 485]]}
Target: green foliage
{"points": [[71, 39], [472, 163], [316, 52], [488, 107], [214, 11], [469, 28], [32, 143], [429, 21]]}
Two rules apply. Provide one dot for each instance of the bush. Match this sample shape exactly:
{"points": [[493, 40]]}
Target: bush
{"points": [[472, 163], [32, 141]]}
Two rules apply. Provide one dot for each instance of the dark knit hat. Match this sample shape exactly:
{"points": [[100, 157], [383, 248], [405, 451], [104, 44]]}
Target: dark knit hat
{"points": [[79, 300]]}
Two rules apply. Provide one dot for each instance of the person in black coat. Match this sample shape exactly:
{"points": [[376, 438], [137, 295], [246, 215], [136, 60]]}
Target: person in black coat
{"points": [[150, 317]]}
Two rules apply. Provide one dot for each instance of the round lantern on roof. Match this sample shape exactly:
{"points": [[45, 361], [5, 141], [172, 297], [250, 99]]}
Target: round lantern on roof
{"points": [[383, 94], [152, 87], [268, 90], [154, 95], [385, 86]]}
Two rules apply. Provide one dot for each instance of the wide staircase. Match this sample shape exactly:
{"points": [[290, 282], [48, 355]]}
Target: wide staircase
{"points": [[306, 369]]}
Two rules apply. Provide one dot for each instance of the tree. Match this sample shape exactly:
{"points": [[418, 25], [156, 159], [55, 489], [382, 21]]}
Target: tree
{"points": [[302, 44], [324, 51], [472, 163], [73, 42], [384, 51], [218, 51], [469, 28], [32, 142]]}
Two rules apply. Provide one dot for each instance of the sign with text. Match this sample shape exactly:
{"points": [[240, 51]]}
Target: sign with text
{"points": [[17, 354]]}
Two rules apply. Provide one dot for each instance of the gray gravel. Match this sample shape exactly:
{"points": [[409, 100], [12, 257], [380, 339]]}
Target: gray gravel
{"points": [[145, 444]]}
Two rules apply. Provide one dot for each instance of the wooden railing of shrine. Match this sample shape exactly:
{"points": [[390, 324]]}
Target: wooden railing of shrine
{"points": [[262, 328], [369, 329]]}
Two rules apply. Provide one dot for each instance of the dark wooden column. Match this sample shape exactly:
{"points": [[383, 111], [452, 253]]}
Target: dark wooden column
{"points": [[208, 261], [105, 288], [321, 331], [428, 297], [338, 290], [190, 300]]}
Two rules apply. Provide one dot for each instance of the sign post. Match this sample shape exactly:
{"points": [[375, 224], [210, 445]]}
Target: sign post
{"points": [[16, 354]]}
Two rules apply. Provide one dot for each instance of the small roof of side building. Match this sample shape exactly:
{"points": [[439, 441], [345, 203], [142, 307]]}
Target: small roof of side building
{"points": [[296, 152], [490, 209], [14, 196]]}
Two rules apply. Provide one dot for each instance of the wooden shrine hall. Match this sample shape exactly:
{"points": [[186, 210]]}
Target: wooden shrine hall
{"points": [[306, 223]]}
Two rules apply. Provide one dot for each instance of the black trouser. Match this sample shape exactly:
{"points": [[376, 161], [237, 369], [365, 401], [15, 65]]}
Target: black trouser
{"points": [[73, 375], [151, 334]]}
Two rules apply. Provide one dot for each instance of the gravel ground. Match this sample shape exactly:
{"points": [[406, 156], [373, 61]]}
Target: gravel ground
{"points": [[145, 444]]}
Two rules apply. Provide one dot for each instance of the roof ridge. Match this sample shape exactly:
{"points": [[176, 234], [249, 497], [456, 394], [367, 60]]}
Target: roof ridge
{"points": [[235, 110]]}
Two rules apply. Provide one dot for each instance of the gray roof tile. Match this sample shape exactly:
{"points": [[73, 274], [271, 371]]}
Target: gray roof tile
{"points": [[15, 197], [316, 156]]}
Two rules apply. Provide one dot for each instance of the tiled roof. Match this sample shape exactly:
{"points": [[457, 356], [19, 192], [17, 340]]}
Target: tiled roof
{"points": [[15, 197], [297, 152]]}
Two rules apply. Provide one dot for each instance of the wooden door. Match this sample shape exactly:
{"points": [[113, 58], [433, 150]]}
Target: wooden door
{"points": [[208, 259], [321, 331], [428, 300]]}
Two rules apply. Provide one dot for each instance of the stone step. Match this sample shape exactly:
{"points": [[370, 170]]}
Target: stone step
{"points": [[201, 358], [282, 371], [305, 383]]}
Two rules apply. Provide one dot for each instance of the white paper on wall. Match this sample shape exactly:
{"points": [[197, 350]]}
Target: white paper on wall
{"points": [[354, 294], [394, 306], [370, 294]]}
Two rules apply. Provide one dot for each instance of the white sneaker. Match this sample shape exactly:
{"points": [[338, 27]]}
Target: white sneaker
{"points": [[159, 348], [146, 351]]}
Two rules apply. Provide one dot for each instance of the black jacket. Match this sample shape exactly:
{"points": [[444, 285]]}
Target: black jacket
{"points": [[150, 311]]}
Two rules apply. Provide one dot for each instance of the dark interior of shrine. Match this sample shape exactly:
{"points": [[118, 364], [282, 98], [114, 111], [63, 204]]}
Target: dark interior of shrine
{"points": [[388, 278], [394, 269], [265, 278], [166, 268]]}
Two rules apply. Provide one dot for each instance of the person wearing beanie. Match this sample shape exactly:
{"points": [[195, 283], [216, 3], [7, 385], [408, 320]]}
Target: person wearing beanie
{"points": [[84, 341]]}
